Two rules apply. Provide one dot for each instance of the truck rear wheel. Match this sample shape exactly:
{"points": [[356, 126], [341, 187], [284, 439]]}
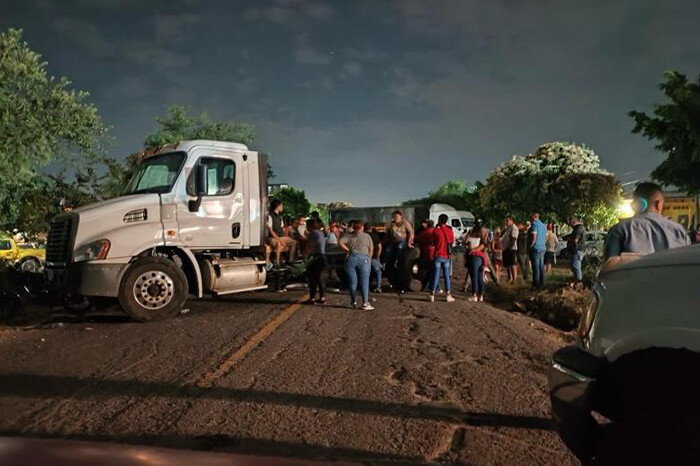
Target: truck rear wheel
{"points": [[153, 288]]}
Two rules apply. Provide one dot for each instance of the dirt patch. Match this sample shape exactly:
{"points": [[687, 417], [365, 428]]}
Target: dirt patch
{"points": [[557, 304]]}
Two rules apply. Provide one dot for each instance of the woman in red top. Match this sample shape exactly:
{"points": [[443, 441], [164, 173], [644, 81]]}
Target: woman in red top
{"points": [[442, 237]]}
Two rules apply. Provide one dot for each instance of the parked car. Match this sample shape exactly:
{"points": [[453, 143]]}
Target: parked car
{"points": [[27, 257], [637, 350], [594, 242]]}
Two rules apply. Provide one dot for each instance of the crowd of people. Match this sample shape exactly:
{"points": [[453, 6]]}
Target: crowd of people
{"points": [[530, 247]]}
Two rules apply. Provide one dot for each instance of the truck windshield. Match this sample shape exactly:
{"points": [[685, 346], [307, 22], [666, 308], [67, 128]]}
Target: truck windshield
{"points": [[468, 222], [156, 174]]}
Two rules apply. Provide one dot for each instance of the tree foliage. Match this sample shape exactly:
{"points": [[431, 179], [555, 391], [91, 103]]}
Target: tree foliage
{"points": [[42, 120], [179, 125], [675, 126], [294, 201], [558, 180]]}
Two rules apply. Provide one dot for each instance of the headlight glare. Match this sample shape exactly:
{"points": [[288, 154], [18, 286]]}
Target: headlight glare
{"points": [[92, 251]]}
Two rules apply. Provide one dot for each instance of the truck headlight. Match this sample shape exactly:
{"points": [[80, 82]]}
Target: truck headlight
{"points": [[92, 251]]}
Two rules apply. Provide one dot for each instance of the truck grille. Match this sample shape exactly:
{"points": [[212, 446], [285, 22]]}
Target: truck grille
{"points": [[59, 244]]}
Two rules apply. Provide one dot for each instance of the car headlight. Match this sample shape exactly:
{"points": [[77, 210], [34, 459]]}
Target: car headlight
{"points": [[92, 251]]}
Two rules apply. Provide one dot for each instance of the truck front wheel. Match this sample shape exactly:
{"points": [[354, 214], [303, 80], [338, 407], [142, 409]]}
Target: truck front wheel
{"points": [[153, 288]]}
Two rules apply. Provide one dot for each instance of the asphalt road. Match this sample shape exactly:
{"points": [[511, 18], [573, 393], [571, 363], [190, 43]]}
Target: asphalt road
{"points": [[412, 382]]}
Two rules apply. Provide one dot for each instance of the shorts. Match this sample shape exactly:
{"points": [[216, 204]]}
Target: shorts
{"points": [[549, 258], [509, 257], [286, 241]]}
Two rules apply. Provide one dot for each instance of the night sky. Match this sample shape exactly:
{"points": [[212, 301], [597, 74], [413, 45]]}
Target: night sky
{"points": [[376, 102]]}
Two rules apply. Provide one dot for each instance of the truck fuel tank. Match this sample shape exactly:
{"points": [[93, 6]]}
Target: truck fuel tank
{"points": [[224, 276]]}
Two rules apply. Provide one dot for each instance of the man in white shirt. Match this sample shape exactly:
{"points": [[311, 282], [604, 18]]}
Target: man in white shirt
{"points": [[509, 242]]}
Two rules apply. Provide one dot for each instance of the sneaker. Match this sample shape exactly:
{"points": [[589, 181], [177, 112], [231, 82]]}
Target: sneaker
{"points": [[377, 290], [472, 299], [309, 301], [440, 291], [432, 298], [321, 301], [367, 307], [481, 299], [268, 266], [449, 298], [353, 306]]}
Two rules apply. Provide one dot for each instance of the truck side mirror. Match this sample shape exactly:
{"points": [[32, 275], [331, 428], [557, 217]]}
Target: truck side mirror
{"points": [[201, 186]]}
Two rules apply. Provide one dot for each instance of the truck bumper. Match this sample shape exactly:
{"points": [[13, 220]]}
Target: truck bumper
{"points": [[86, 279], [574, 390]]}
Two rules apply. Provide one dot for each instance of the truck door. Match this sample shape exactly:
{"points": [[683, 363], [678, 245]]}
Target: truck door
{"points": [[218, 223]]}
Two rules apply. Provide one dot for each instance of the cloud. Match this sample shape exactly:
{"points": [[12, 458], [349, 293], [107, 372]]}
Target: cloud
{"points": [[352, 68], [173, 27], [85, 35], [290, 12], [307, 55]]}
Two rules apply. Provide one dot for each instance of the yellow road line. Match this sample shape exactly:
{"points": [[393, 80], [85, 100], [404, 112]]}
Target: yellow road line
{"points": [[209, 378]]}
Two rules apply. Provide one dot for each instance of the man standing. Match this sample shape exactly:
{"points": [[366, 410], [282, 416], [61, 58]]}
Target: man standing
{"points": [[646, 232], [375, 263], [523, 260], [442, 238], [538, 236], [400, 234], [276, 238], [509, 242], [576, 248]]}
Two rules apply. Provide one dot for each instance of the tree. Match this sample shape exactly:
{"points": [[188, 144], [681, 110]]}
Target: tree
{"points": [[558, 180], [295, 201], [42, 120], [675, 127], [455, 193], [179, 125]]}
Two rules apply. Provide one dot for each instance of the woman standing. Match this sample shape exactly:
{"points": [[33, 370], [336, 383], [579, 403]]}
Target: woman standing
{"points": [[550, 244], [476, 260], [317, 264], [359, 248]]}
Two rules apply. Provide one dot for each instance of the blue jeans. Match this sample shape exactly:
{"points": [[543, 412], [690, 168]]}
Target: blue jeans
{"points": [[475, 265], [576, 259], [440, 263], [537, 259], [377, 269], [357, 269], [392, 255]]}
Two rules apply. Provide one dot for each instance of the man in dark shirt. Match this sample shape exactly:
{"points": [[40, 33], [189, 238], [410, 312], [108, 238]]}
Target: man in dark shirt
{"points": [[276, 238], [523, 250], [375, 264], [576, 248]]}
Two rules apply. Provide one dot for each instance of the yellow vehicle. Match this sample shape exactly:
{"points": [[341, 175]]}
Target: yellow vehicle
{"points": [[27, 257]]}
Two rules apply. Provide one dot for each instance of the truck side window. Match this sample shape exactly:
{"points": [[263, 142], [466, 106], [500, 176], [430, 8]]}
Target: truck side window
{"points": [[221, 175], [456, 223]]}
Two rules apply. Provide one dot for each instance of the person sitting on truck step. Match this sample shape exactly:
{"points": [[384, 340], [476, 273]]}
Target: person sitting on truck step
{"points": [[400, 234], [276, 238], [648, 231], [359, 248]]}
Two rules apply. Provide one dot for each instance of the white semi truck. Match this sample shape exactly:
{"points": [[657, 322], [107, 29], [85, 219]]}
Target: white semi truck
{"points": [[190, 222]]}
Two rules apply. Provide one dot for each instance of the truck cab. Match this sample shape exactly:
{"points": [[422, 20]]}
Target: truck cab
{"points": [[191, 221]]}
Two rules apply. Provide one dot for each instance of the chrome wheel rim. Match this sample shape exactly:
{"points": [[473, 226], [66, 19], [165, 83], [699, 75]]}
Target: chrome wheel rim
{"points": [[154, 289]]}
